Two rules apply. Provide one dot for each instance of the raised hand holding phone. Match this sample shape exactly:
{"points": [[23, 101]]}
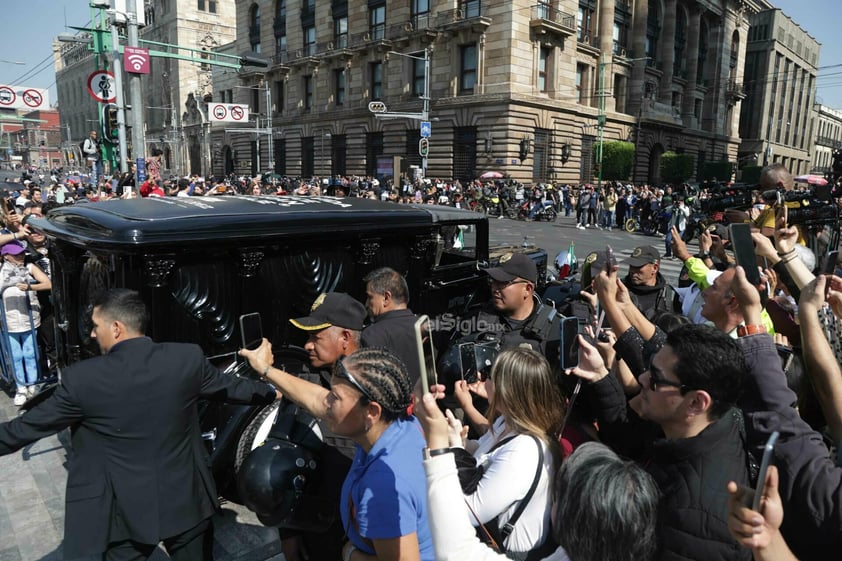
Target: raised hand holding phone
{"points": [[426, 353]]}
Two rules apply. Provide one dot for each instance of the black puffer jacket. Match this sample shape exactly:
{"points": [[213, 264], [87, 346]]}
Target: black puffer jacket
{"points": [[692, 474]]}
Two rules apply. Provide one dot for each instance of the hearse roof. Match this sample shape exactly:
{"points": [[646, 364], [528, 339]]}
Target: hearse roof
{"points": [[156, 220]]}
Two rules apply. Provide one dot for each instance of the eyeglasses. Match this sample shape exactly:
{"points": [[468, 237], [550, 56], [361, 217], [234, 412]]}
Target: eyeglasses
{"points": [[342, 372], [498, 285], [655, 380]]}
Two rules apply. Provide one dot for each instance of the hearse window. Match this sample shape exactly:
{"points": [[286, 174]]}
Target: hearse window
{"points": [[457, 244]]}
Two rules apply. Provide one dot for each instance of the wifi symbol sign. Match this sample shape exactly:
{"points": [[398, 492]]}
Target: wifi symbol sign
{"points": [[136, 60]]}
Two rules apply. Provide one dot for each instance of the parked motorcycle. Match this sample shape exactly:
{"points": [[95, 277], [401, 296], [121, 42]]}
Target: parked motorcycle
{"points": [[545, 212]]}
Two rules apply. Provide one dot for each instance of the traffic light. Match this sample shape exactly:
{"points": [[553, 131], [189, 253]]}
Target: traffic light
{"points": [[111, 127], [423, 147], [251, 60]]}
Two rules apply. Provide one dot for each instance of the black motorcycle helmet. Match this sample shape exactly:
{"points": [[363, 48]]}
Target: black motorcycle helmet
{"points": [[273, 479]]}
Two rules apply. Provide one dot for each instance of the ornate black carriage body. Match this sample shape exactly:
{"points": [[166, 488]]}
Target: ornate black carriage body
{"points": [[202, 262]]}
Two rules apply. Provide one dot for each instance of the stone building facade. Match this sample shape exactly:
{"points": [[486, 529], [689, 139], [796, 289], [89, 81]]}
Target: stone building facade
{"points": [[778, 116], [521, 87], [828, 138], [175, 89]]}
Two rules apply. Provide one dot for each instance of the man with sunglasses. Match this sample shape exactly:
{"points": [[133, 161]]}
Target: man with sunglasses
{"points": [[684, 428], [515, 315]]}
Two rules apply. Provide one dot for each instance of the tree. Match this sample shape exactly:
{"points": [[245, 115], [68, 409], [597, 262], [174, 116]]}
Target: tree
{"points": [[676, 168], [617, 160]]}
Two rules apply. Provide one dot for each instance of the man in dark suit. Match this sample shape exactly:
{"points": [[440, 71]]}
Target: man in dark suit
{"points": [[137, 474]]}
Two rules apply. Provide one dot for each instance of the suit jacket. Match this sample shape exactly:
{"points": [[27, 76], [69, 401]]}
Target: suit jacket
{"points": [[138, 468], [395, 331]]}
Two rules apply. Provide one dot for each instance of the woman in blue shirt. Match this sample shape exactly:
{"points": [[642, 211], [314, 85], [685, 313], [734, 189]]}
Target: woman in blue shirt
{"points": [[384, 496]]}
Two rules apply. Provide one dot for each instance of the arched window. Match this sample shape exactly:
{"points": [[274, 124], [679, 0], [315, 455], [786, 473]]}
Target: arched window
{"points": [[254, 28], [703, 53], [735, 54]]}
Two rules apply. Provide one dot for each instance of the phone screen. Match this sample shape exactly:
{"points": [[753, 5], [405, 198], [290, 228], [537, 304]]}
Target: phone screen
{"points": [[426, 353], [610, 260], [468, 362], [743, 247], [830, 262], [251, 331], [768, 450], [569, 342]]}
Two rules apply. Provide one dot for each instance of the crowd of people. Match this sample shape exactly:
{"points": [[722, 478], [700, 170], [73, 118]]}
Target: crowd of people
{"points": [[646, 448]]}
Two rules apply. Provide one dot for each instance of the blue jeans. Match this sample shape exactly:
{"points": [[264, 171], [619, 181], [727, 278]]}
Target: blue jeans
{"points": [[668, 241], [607, 218], [24, 357]]}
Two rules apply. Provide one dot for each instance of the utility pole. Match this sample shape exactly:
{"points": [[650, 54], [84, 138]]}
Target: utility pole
{"points": [[271, 157], [136, 96], [425, 111], [117, 66]]}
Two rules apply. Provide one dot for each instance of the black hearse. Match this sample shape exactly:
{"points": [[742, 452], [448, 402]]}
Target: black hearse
{"points": [[201, 262]]}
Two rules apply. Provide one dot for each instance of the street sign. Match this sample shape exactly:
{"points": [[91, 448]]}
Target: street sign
{"points": [[377, 107], [22, 97], [140, 167], [136, 60], [426, 129], [423, 147], [101, 86], [228, 112]]}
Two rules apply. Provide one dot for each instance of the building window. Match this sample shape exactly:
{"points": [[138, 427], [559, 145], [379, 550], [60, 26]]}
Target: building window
{"points": [[308, 93], [471, 8], [339, 82], [280, 99], [465, 159], [620, 93], [254, 28], [622, 22], [703, 54], [680, 43], [581, 83], [376, 83], [541, 147], [585, 20], [420, 13], [653, 31], [340, 32], [373, 148], [377, 22], [310, 40], [281, 9], [543, 66], [255, 98], [281, 46], [467, 68], [308, 156], [418, 74]]}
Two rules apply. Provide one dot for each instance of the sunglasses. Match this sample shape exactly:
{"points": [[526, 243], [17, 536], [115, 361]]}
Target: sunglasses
{"points": [[655, 381], [498, 285], [341, 372]]}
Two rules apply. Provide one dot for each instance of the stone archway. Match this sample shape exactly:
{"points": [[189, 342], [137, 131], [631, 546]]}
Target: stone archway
{"points": [[654, 175]]}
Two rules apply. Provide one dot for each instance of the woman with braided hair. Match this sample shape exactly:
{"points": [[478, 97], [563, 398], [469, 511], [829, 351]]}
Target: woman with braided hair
{"points": [[384, 496]]}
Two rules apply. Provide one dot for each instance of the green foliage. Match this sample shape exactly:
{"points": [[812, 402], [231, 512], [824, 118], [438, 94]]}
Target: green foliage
{"points": [[617, 160], [721, 171], [751, 174], [676, 168]]}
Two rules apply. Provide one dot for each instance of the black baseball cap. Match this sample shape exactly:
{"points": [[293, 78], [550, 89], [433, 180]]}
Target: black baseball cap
{"points": [[512, 266], [643, 255], [333, 308]]}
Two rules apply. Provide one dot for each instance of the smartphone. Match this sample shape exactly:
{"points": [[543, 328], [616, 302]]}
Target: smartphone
{"points": [[426, 353], [764, 467], [830, 263], [744, 251], [468, 362], [610, 260], [251, 330], [569, 342]]}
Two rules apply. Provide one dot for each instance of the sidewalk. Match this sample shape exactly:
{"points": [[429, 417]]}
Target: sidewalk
{"points": [[32, 484]]}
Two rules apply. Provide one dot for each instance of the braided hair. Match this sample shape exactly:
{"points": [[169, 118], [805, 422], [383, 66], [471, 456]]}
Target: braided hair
{"points": [[384, 377]]}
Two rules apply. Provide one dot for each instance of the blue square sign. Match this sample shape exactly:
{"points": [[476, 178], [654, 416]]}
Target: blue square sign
{"points": [[426, 129]]}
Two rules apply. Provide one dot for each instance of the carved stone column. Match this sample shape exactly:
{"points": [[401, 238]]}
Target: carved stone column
{"points": [[693, 30], [606, 27], [641, 17], [667, 51]]}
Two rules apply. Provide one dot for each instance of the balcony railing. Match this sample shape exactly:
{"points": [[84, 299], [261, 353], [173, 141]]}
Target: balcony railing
{"points": [[735, 89], [549, 13]]}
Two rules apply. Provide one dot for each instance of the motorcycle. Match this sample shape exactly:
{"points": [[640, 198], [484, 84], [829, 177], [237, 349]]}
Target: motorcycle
{"points": [[545, 212]]}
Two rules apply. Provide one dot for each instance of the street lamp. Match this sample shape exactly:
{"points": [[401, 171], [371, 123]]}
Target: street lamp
{"points": [[424, 116]]}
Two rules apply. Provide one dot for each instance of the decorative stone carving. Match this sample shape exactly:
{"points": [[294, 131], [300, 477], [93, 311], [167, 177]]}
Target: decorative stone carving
{"points": [[249, 262]]}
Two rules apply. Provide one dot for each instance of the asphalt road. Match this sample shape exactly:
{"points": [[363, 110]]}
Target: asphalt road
{"points": [[32, 481]]}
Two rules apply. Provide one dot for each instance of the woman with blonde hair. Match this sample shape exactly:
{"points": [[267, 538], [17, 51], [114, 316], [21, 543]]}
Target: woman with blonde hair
{"points": [[517, 457]]}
